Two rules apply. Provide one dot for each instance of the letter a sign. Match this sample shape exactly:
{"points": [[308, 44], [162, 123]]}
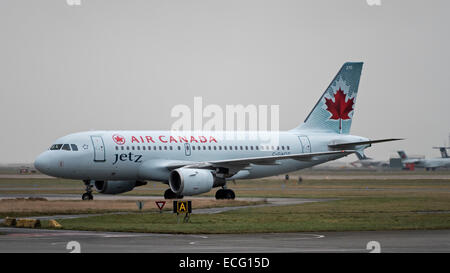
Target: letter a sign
{"points": [[182, 206]]}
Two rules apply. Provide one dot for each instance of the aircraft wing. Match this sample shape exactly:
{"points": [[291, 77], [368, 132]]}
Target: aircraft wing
{"points": [[242, 163]]}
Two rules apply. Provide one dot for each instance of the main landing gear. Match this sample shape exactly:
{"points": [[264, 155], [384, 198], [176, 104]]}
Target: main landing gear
{"points": [[225, 194], [169, 194], [88, 194]]}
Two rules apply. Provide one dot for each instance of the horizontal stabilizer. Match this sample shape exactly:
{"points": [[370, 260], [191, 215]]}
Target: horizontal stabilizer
{"points": [[347, 145]]}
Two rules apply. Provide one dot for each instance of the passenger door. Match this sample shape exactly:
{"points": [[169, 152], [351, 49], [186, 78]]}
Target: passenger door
{"points": [[99, 148], [306, 145]]}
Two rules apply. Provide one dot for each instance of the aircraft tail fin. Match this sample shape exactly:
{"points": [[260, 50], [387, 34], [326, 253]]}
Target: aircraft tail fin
{"points": [[335, 108], [402, 154], [443, 151], [361, 156]]}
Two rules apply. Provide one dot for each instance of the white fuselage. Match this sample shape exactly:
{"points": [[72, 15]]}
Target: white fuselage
{"points": [[431, 163], [142, 155]]}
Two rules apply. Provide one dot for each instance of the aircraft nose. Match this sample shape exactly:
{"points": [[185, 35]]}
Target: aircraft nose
{"points": [[42, 163]]}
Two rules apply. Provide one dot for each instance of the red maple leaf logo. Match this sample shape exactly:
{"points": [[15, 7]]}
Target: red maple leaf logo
{"points": [[118, 139], [339, 109]]}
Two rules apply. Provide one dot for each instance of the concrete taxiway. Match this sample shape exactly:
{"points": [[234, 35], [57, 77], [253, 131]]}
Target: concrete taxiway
{"points": [[36, 240]]}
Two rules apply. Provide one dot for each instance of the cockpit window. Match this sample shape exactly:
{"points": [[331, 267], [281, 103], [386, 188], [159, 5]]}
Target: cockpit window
{"points": [[74, 147], [66, 147], [56, 147]]}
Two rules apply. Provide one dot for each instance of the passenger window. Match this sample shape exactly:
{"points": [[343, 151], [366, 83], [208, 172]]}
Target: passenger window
{"points": [[154, 148], [246, 147], [256, 147], [220, 148], [143, 148], [122, 148], [215, 148], [179, 148], [139, 147], [241, 148], [66, 147], [56, 147], [165, 148], [287, 147], [225, 148], [204, 148], [193, 148], [149, 148], [282, 147], [132, 148], [117, 148], [251, 147], [231, 148]]}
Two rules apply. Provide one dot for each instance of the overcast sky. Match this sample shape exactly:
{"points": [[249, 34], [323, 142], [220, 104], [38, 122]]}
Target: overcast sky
{"points": [[116, 64]]}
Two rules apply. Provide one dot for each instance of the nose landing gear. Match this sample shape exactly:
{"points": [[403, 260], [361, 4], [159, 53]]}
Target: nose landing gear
{"points": [[88, 194]]}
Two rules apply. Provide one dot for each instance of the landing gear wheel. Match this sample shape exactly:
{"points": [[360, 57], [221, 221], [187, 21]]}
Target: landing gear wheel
{"points": [[229, 194], [87, 196], [225, 194], [169, 194]]}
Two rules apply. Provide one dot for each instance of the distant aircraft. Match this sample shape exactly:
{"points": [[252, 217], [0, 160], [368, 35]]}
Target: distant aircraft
{"points": [[443, 151], [428, 164], [367, 162], [194, 162]]}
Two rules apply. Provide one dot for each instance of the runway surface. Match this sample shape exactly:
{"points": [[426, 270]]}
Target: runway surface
{"points": [[38, 240], [35, 240]]}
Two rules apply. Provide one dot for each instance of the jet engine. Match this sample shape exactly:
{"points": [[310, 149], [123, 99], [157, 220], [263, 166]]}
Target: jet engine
{"points": [[185, 181], [116, 186]]}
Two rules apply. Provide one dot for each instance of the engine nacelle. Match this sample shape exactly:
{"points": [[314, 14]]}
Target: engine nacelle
{"points": [[116, 186], [185, 181]]}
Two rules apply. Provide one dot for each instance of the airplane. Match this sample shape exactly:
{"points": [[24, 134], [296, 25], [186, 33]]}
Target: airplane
{"points": [[428, 164], [367, 162], [443, 151], [195, 162]]}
